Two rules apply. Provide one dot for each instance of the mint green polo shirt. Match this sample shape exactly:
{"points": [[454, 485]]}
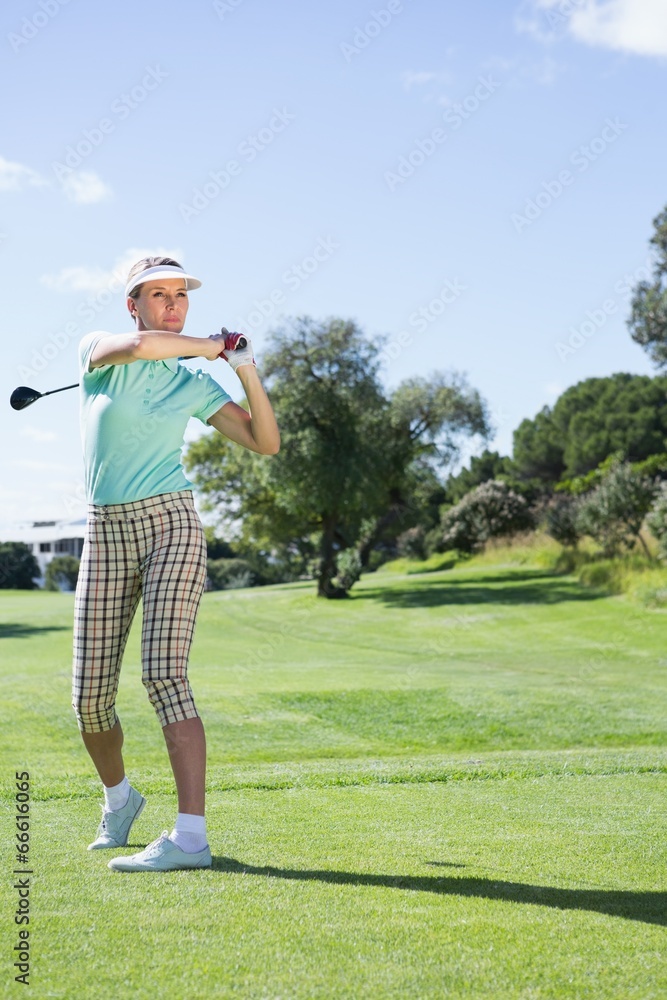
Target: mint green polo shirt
{"points": [[133, 420]]}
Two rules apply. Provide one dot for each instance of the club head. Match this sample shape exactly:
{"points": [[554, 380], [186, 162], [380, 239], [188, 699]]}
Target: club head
{"points": [[23, 396]]}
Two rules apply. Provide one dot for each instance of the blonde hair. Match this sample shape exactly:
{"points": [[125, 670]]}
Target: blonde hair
{"points": [[143, 265]]}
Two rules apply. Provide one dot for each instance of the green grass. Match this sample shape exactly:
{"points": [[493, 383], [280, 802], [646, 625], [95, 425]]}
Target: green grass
{"points": [[451, 784]]}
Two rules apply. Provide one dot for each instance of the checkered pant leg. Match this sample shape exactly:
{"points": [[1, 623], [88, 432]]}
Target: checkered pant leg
{"points": [[174, 580], [155, 548]]}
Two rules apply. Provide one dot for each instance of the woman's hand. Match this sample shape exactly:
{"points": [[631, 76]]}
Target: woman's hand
{"points": [[236, 356]]}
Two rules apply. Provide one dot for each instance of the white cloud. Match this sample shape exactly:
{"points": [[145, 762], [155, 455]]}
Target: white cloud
{"points": [[544, 72], [85, 187], [638, 26], [14, 176], [634, 26], [411, 79], [38, 434], [430, 83], [76, 279], [91, 280]]}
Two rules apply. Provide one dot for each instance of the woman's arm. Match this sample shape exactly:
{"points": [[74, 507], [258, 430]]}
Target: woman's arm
{"points": [[257, 429], [152, 345]]}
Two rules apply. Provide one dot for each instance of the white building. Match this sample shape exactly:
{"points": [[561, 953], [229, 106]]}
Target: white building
{"points": [[47, 539]]}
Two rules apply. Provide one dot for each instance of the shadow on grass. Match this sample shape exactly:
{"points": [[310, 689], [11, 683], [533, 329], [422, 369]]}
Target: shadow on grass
{"points": [[648, 907], [510, 587], [20, 631]]}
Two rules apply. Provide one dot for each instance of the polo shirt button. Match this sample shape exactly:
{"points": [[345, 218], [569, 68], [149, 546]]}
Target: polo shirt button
{"points": [[151, 376], [148, 392], [146, 402]]}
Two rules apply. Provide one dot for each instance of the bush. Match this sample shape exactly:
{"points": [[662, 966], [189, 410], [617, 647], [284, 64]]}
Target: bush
{"points": [[61, 573], [377, 558], [230, 574], [217, 548], [657, 520], [492, 510], [348, 569], [411, 543], [560, 519], [18, 566], [614, 511]]}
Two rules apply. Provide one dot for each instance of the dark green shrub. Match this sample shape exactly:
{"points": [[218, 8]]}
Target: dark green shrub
{"points": [[61, 573], [560, 519], [411, 543], [229, 574], [18, 566], [492, 510], [614, 511]]}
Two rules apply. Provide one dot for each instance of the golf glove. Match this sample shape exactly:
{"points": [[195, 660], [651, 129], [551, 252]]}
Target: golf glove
{"points": [[236, 356]]}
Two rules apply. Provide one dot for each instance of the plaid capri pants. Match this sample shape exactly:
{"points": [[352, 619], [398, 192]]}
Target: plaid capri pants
{"points": [[154, 549]]}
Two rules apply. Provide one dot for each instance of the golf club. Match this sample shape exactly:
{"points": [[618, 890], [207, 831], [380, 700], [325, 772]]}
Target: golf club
{"points": [[24, 396]]}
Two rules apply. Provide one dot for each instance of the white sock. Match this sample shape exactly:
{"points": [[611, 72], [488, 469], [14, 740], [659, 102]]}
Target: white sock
{"points": [[189, 833], [116, 796]]}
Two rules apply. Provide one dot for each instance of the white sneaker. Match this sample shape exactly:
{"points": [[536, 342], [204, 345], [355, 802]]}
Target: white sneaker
{"points": [[114, 829], [163, 855]]}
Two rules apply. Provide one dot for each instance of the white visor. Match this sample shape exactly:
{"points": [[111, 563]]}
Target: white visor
{"points": [[162, 271]]}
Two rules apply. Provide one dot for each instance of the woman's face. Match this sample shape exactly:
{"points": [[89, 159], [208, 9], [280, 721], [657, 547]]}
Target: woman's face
{"points": [[162, 305]]}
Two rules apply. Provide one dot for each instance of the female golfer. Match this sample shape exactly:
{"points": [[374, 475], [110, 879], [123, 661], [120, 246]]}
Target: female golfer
{"points": [[144, 539]]}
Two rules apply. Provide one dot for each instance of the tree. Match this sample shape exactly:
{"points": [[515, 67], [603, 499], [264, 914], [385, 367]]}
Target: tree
{"points": [[323, 383], [350, 460], [538, 448], [18, 566], [590, 421], [492, 510], [613, 512], [61, 573], [428, 420], [648, 315]]}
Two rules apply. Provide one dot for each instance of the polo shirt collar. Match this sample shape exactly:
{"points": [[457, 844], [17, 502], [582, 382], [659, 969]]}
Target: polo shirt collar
{"points": [[172, 363]]}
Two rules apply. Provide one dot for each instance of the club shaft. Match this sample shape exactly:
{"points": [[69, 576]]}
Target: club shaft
{"points": [[51, 391]]}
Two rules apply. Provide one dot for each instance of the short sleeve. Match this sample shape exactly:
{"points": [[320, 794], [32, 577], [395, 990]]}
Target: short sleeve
{"points": [[86, 347], [211, 396]]}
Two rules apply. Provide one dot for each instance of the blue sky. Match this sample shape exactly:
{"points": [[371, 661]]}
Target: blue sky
{"points": [[475, 181]]}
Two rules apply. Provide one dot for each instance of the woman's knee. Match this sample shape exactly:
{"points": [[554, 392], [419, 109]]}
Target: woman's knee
{"points": [[171, 697], [93, 718]]}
